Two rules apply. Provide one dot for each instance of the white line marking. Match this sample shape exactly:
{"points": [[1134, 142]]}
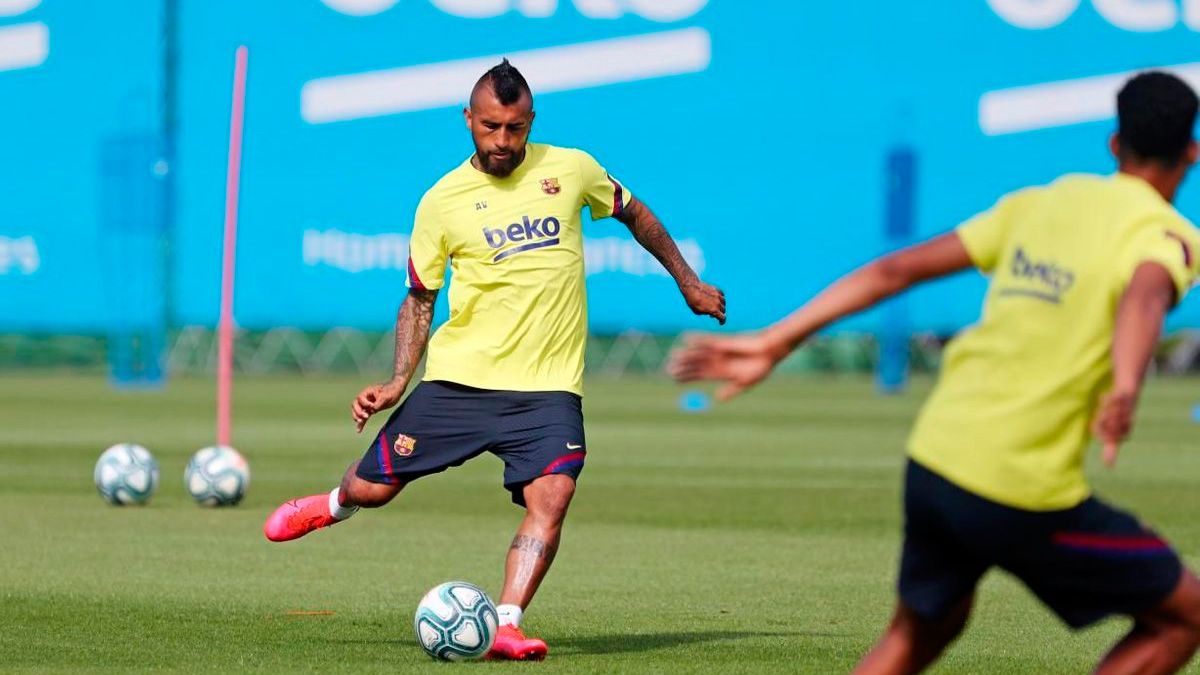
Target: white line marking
{"points": [[551, 69], [24, 46], [1056, 104]]}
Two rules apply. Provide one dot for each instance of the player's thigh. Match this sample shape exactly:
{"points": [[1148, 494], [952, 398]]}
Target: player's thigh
{"points": [[549, 496], [1181, 607], [1095, 560], [938, 568], [437, 427], [361, 492], [541, 434]]}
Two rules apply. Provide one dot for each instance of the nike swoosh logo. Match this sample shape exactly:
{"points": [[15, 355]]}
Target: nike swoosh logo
{"points": [[572, 446]]}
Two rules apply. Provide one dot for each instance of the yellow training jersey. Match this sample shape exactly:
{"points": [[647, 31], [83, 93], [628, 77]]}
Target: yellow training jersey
{"points": [[518, 306], [1010, 416]]}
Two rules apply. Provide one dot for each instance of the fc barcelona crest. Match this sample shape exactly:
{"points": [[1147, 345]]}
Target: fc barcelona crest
{"points": [[550, 186], [404, 445]]}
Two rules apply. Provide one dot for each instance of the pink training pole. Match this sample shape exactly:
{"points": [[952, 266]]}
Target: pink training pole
{"points": [[232, 179]]}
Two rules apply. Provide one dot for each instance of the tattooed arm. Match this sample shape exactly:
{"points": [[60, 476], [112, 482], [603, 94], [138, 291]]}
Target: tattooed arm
{"points": [[412, 335], [702, 298]]}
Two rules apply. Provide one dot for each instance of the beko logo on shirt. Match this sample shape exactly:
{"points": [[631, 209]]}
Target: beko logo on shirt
{"points": [[535, 232], [1051, 280]]}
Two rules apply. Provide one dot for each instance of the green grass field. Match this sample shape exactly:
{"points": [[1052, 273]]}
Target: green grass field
{"points": [[759, 537]]}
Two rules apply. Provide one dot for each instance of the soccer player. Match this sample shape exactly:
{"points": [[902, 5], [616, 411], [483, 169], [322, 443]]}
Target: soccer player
{"points": [[1082, 272], [505, 373]]}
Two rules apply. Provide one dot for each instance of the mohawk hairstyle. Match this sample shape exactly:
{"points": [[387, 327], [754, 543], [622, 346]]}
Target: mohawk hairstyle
{"points": [[506, 81]]}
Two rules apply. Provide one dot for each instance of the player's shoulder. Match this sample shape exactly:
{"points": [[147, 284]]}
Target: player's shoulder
{"points": [[1185, 223], [1013, 203], [1066, 185], [450, 182], [564, 154], [545, 151], [1066, 189], [554, 151], [1141, 204], [1166, 218], [463, 171]]}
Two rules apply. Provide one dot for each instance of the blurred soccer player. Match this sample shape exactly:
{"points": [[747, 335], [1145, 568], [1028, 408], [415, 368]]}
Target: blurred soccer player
{"points": [[1082, 273], [505, 373]]}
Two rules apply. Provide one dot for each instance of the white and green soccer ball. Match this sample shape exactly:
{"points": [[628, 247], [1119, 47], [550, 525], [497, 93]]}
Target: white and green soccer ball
{"points": [[456, 621], [217, 476], [126, 473]]}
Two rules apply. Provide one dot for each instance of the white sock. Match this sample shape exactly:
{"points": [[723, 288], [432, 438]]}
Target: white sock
{"points": [[510, 615], [338, 511]]}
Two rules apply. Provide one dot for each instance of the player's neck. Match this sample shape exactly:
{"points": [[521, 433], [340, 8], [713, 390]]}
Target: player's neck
{"points": [[1164, 179]]}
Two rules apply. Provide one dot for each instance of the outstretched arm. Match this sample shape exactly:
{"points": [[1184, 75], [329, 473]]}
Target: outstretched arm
{"points": [[1150, 294], [865, 287], [412, 335], [741, 361], [702, 298]]}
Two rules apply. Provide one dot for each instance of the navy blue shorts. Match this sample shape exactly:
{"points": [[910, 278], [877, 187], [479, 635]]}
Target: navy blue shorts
{"points": [[1084, 563], [443, 424]]}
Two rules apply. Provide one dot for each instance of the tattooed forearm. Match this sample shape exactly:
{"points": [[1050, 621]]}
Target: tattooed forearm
{"points": [[412, 332], [653, 237]]}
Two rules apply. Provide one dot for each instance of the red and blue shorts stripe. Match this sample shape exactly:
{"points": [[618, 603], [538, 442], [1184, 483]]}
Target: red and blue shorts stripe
{"points": [[565, 464], [1112, 544], [384, 457]]}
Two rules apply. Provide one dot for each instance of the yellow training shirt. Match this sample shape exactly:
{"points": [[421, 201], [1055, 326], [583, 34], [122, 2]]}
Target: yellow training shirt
{"points": [[1010, 417], [518, 306]]}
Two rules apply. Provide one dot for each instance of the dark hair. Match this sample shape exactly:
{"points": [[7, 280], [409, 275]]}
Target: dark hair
{"points": [[1155, 115], [506, 81]]}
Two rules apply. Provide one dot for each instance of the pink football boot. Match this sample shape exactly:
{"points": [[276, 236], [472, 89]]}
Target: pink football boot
{"points": [[298, 517], [512, 645]]}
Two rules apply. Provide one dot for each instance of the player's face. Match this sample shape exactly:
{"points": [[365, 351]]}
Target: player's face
{"points": [[499, 131]]}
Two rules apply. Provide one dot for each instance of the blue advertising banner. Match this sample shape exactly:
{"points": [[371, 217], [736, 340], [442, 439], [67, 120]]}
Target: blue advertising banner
{"points": [[82, 85], [759, 132]]}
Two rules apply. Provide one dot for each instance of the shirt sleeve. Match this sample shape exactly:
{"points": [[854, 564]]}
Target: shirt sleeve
{"points": [[427, 247], [985, 235], [605, 195], [1174, 246]]}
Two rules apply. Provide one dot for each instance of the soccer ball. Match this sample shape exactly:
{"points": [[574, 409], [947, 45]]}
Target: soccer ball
{"points": [[126, 473], [217, 476], [456, 621]]}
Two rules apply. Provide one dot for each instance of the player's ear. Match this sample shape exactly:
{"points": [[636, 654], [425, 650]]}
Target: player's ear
{"points": [[1193, 151], [1114, 146], [467, 115]]}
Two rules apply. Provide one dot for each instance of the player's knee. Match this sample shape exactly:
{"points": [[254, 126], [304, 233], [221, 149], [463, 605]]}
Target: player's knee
{"points": [[1188, 635], [1188, 617], [549, 497], [1183, 606], [931, 634], [374, 495], [358, 492]]}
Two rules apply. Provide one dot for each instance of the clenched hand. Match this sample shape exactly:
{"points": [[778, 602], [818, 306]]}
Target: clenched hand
{"points": [[1114, 421], [373, 399], [704, 299]]}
